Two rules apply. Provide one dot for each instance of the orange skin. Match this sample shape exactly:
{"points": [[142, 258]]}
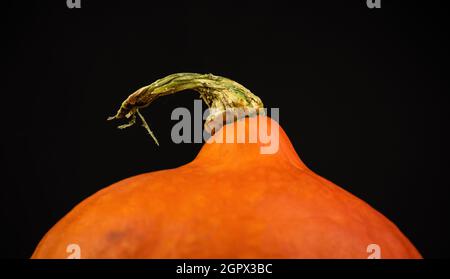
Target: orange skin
{"points": [[230, 202]]}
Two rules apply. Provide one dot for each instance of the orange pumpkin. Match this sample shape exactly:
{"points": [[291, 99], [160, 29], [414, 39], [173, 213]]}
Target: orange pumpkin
{"points": [[230, 202]]}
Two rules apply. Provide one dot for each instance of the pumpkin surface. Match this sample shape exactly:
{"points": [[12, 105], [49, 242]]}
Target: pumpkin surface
{"points": [[230, 202]]}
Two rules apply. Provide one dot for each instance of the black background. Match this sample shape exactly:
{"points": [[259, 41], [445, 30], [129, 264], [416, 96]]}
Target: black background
{"points": [[363, 96]]}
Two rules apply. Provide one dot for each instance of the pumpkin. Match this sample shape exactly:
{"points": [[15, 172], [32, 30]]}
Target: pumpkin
{"points": [[231, 201]]}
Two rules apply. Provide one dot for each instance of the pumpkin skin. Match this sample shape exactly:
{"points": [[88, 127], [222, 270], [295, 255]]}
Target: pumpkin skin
{"points": [[230, 202]]}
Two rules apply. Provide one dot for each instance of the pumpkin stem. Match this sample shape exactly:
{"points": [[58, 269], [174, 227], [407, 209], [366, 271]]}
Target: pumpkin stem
{"points": [[223, 97]]}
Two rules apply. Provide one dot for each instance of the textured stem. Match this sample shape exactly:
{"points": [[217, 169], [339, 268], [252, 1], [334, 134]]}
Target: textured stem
{"points": [[222, 95]]}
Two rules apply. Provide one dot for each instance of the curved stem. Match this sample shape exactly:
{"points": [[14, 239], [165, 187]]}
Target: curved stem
{"points": [[222, 95]]}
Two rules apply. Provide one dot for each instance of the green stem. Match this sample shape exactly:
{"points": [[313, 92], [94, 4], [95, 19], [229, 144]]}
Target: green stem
{"points": [[222, 95]]}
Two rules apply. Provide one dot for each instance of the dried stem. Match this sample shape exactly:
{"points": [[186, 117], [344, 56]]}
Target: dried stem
{"points": [[222, 95]]}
